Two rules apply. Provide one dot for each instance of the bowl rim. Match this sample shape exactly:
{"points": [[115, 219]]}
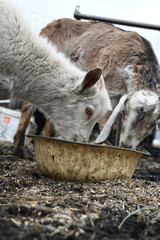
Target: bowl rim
{"points": [[88, 144]]}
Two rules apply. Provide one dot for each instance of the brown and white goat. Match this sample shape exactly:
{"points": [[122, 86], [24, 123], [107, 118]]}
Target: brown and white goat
{"points": [[130, 70], [32, 70]]}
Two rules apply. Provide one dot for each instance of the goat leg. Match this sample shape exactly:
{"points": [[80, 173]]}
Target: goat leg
{"points": [[19, 137]]}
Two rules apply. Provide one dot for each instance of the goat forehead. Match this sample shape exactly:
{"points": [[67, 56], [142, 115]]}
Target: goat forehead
{"points": [[143, 98]]}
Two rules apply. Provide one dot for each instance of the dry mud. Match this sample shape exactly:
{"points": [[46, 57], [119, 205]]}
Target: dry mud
{"points": [[35, 207]]}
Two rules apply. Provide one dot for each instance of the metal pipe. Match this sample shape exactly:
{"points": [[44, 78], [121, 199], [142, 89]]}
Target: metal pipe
{"points": [[80, 16]]}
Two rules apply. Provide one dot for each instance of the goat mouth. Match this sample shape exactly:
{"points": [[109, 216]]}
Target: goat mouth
{"points": [[124, 145], [79, 138], [128, 145]]}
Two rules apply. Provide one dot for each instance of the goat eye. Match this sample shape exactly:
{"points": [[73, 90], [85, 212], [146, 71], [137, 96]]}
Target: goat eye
{"points": [[89, 111]]}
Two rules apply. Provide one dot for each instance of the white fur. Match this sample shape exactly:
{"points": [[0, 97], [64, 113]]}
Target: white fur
{"points": [[143, 98], [128, 75], [32, 70]]}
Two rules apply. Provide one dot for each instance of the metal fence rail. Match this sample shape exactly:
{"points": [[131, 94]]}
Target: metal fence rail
{"points": [[80, 16]]}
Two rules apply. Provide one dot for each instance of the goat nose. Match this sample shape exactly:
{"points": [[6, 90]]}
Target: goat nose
{"points": [[79, 138]]}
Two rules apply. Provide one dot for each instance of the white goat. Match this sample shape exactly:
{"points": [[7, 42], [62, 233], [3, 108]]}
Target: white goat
{"points": [[32, 70]]}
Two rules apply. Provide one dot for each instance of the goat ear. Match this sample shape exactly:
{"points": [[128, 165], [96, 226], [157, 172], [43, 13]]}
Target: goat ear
{"points": [[90, 79], [107, 128]]}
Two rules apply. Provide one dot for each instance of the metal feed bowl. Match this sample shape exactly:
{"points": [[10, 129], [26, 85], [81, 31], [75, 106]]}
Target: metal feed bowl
{"points": [[75, 161]]}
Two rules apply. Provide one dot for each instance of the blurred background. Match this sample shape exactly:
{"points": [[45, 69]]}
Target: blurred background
{"points": [[41, 12]]}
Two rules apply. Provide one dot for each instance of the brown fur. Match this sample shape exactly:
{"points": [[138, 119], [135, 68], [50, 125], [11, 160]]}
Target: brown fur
{"points": [[27, 111], [91, 44], [62, 31]]}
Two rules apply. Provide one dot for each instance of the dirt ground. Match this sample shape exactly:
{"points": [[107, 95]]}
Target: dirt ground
{"points": [[38, 208]]}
